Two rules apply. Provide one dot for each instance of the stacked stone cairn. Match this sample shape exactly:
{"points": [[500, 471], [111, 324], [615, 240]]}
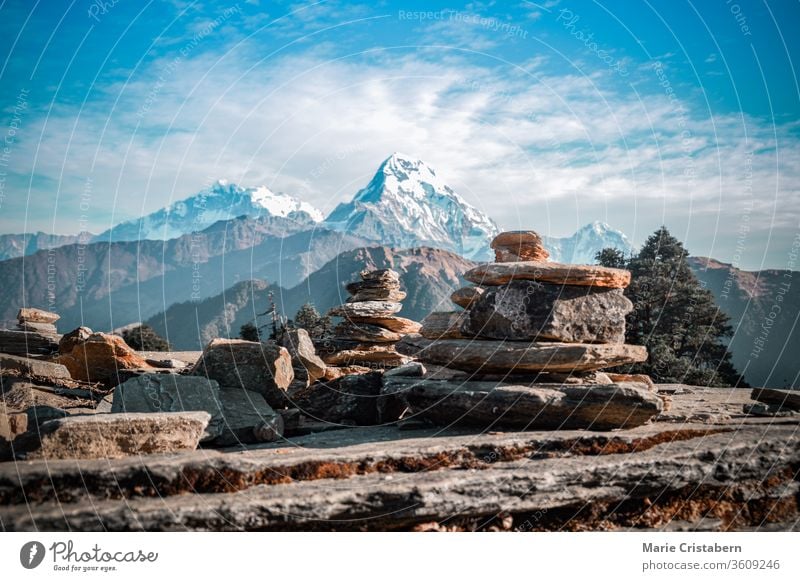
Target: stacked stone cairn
{"points": [[529, 348], [365, 339], [34, 334]]}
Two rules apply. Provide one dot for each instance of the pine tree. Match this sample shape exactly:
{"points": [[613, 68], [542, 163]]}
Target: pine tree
{"points": [[308, 318], [675, 317], [145, 338], [611, 257], [249, 332]]}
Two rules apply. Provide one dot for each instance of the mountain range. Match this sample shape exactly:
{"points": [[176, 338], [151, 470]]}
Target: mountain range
{"points": [[203, 266]]}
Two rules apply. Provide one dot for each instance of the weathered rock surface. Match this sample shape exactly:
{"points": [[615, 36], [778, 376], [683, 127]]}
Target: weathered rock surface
{"points": [[21, 393], [533, 311], [112, 436], [513, 357], [492, 405], [519, 245], [374, 357], [499, 273], [396, 324], [12, 422], [366, 309], [335, 372], [44, 328], [33, 367], [171, 393], [377, 294], [247, 418], [265, 368], [365, 332], [37, 316], [69, 340], [443, 325], [100, 358], [351, 399], [27, 342], [305, 361], [465, 297], [783, 398]]}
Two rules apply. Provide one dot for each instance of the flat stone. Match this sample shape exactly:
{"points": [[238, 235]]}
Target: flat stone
{"points": [[355, 288], [174, 364], [37, 316], [443, 325], [265, 368], [517, 357], [499, 273], [377, 294], [12, 422], [366, 309], [371, 357], [532, 311], [305, 360], [44, 328], [783, 398], [385, 276], [519, 245], [396, 324], [27, 342], [100, 358], [491, 405], [410, 369], [247, 418], [365, 332], [335, 372], [69, 340], [33, 367], [352, 398], [171, 393], [465, 297], [631, 377], [112, 436], [22, 393]]}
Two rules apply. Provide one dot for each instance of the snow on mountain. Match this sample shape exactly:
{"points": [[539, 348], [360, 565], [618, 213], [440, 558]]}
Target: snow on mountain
{"points": [[406, 204], [581, 247], [222, 201]]}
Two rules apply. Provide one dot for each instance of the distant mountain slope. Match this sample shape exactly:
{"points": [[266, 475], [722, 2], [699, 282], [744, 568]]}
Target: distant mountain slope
{"points": [[581, 247], [764, 309], [16, 245], [407, 205], [221, 202], [428, 275]]}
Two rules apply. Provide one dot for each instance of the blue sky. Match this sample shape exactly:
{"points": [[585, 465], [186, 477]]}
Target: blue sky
{"points": [[545, 115]]}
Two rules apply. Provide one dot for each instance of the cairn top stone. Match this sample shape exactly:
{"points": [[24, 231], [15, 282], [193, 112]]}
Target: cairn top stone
{"points": [[499, 273], [519, 245], [382, 275], [29, 315]]}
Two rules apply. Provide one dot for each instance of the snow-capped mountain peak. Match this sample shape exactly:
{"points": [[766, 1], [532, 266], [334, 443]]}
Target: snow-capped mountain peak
{"points": [[406, 204], [223, 200], [581, 247]]}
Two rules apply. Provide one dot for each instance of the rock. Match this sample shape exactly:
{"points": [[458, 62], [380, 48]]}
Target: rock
{"points": [[443, 325], [44, 328], [465, 297], [333, 372], [22, 393], [304, 355], [371, 357], [355, 288], [12, 422], [767, 410], [73, 338], [171, 393], [39, 414], [247, 418], [396, 324], [265, 368], [634, 378], [176, 364], [499, 273], [104, 436], [100, 358], [783, 398], [366, 309], [377, 294], [519, 245], [533, 311], [365, 332], [29, 315], [351, 398], [490, 405], [410, 369], [382, 276], [514, 357], [27, 342], [33, 367]]}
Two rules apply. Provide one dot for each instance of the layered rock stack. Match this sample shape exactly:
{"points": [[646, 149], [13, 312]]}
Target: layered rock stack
{"points": [[365, 340], [531, 343], [35, 334]]}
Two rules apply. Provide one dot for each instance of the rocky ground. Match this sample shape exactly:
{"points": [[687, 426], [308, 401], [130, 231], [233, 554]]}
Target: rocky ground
{"points": [[702, 465]]}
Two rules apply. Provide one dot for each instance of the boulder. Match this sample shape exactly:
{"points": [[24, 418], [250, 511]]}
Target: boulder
{"points": [[377, 294], [519, 245], [443, 325], [499, 273], [27, 342], [491, 405], [351, 399], [782, 399], [265, 367], [247, 419], [12, 422], [305, 361], [100, 358], [44, 328], [21, 393], [73, 338], [350, 331], [517, 357], [36, 316], [396, 324], [532, 311], [333, 372], [171, 393], [371, 357], [465, 297], [382, 276], [104, 436], [33, 367], [366, 309]]}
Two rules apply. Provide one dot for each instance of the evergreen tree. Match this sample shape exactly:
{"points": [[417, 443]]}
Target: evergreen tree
{"points": [[144, 338], [249, 332], [611, 257], [675, 317], [308, 318]]}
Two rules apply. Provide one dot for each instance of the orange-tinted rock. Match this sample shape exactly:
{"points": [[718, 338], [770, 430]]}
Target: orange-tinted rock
{"points": [[519, 245], [99, 359], [466, 297], [497, 273]]}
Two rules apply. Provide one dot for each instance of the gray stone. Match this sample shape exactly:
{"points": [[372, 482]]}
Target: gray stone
{"points": [[365, 332], [410, 369], [443, 325], [396, 324], [533, 311], [247, 418], [366, 309], [44, 328], [305, 361], [27, 342], [171, 393], [465, 297], [782, 398], [33, 367], [377, 294]]}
